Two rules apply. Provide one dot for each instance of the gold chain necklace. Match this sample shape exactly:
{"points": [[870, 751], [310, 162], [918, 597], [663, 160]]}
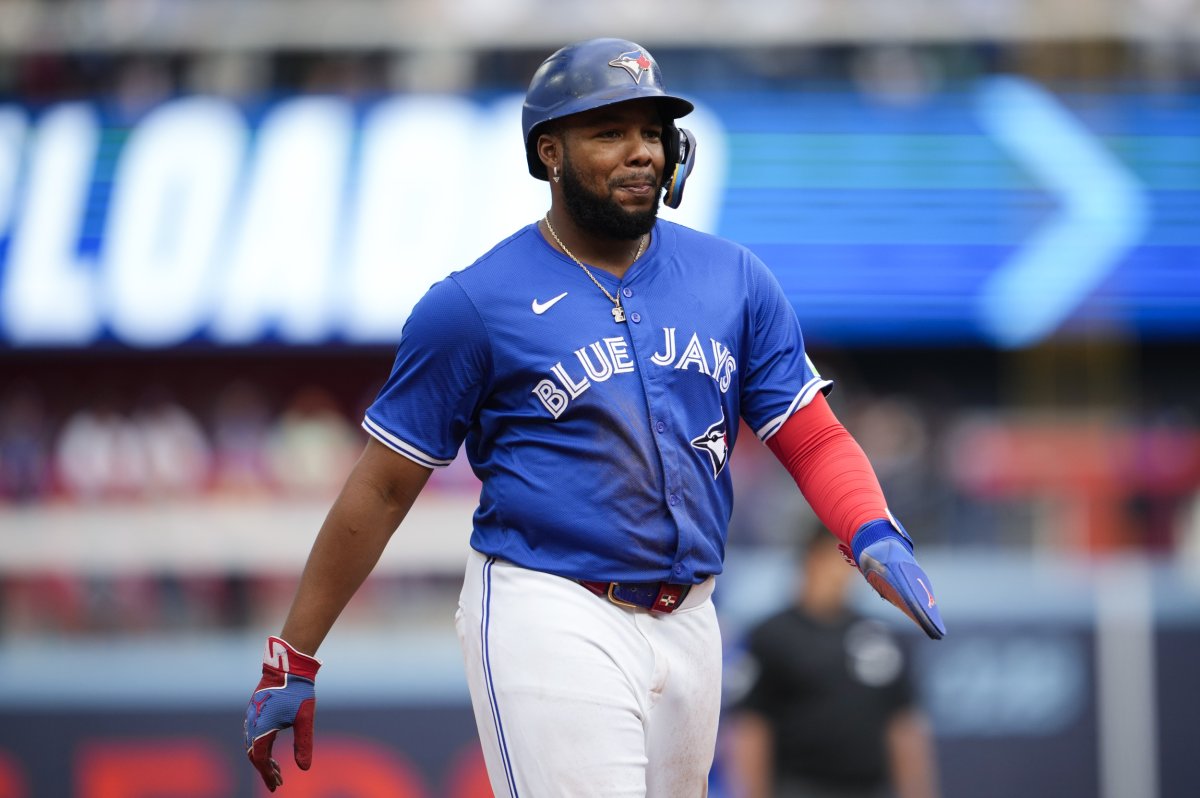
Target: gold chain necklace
{"points": [[618, 312]]}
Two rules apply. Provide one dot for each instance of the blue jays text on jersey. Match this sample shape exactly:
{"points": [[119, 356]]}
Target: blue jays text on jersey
{"points": [[601, 447], [600, 360]]}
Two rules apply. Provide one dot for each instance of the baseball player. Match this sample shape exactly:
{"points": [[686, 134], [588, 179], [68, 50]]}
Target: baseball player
{"points": [[596, 365]]}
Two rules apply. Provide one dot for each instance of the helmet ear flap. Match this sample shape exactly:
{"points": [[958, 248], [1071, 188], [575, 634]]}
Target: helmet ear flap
{"points": [[679, 148]]}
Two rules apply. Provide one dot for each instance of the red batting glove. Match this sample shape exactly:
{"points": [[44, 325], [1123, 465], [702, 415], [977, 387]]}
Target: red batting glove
{"points": [[285, 696]]}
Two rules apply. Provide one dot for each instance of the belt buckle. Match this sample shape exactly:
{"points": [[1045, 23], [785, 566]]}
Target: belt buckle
{"points": [[665, 598], [612, 586], [661, 597]]}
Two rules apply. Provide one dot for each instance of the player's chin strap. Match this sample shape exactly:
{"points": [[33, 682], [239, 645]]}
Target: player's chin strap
{"points": [[681, 157]]}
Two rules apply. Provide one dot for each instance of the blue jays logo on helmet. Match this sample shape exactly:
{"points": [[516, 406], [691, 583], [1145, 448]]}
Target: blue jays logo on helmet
{"points": [[714, 442], [635, 62]]}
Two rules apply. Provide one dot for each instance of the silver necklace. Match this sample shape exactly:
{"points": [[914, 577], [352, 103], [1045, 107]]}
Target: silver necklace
{"points": [[618, 312]]}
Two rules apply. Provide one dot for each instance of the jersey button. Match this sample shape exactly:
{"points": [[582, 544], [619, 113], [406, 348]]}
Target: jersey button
{"points": [[678, 569], [673, 499], [628, 292], [636, 317], [660, 426]]}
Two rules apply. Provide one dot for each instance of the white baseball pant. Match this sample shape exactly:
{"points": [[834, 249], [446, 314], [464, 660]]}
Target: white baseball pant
{"points": [[577, 697]]}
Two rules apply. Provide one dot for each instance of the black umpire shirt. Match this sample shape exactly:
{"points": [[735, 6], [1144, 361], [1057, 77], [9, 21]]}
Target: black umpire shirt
{"points": [[828, 689]]}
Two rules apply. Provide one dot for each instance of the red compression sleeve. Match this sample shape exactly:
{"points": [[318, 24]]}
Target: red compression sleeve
{"points": [[830, 468]]}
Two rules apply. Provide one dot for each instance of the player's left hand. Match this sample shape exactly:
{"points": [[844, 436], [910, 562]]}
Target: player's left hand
{"points": [[883, 552], [285, 697]]}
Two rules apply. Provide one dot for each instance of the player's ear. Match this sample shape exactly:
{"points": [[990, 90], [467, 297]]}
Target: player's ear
{"points": [[549, 150]]}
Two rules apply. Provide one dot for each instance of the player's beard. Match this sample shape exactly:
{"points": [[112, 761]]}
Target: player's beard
{"points": [[603, 216]]}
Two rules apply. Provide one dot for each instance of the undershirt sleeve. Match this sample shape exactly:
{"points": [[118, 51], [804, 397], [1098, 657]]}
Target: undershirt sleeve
{"points": [[830, 468]]}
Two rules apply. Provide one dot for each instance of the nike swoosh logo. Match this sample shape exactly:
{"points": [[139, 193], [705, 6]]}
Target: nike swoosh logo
{"points": [[541, 307], [927, 593]]}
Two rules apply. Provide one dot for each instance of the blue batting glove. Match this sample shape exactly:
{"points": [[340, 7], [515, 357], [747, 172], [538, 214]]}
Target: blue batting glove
{"points": [[285, 697], [882, 550]]}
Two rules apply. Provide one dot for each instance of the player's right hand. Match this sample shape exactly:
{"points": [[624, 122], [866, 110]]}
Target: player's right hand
{"points": [[883, 552], [285, 697]]}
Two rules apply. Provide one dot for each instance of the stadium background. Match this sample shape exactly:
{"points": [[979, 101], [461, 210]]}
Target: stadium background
{"points": [[215, 215]]}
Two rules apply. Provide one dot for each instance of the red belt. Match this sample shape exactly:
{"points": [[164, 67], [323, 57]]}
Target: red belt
{"points": [[654, 596]]}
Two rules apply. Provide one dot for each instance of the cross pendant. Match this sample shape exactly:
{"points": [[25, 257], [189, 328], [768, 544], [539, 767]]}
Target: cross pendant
{"points": [[618, 314]]}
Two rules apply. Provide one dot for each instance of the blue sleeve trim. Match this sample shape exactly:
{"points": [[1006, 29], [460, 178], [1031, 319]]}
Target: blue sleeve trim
{"points": [[806, 395], [401, 447]]}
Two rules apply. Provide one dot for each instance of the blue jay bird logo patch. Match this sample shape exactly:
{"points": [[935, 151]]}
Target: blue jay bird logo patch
{"points": [[634, 62], [715, 443]]}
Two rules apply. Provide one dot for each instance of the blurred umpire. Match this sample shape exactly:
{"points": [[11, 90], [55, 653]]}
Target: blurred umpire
{"points": [[828, 708]]}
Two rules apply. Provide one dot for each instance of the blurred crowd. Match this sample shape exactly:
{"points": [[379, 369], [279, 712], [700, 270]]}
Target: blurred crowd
{"points": [[154, 448], [957, 472], [890, 72], [985, 476], [118, 451], [969, 473], [242, 440]]}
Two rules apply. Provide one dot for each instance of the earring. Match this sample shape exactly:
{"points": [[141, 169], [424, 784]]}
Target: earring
{"points": [[556, 176]]}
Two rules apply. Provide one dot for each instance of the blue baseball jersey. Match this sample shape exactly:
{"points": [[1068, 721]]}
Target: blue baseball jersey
{"points": [[602, 447]]}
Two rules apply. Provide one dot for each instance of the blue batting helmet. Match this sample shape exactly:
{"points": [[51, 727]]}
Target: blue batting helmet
{"points": [[591, 74]]}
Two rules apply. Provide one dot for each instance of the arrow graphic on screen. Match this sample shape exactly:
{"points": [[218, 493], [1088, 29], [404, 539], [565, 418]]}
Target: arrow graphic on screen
{"points": [[12, 134], [1103, 213]]}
